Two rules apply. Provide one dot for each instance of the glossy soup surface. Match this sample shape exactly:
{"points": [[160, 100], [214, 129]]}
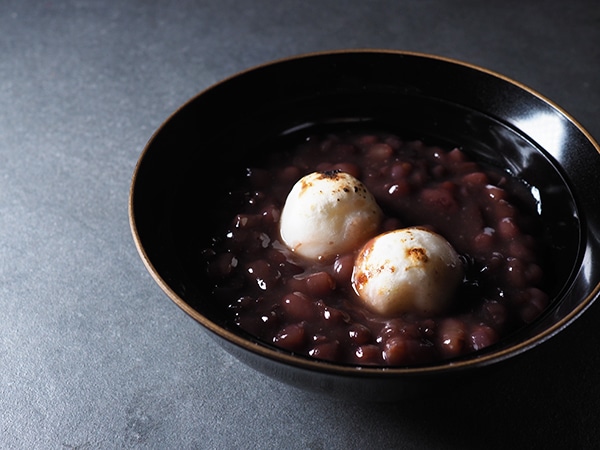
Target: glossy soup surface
{"points": [[310, 308]]}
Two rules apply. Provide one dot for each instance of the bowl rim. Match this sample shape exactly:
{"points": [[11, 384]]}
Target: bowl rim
{"points": [[305, 362]]}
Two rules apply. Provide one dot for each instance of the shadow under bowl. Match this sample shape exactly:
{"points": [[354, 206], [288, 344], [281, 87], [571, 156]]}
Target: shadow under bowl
{"points": [[185, 172]]}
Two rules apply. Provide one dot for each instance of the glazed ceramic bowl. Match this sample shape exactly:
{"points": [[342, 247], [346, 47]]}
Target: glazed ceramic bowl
{"points": [[181, 175]]}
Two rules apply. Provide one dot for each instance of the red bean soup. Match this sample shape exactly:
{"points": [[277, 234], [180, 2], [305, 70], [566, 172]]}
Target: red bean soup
{"points": [[489, 215]]}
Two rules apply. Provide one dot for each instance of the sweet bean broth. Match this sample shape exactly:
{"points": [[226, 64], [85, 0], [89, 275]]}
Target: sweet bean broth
{"points": [[309, 307]]}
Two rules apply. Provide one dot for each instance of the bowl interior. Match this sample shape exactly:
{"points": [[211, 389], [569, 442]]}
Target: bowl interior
{"points": [[196, 157]]}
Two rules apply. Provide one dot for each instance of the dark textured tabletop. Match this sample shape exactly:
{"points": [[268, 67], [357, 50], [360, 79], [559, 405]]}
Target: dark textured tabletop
{"points": [[94, 355]]}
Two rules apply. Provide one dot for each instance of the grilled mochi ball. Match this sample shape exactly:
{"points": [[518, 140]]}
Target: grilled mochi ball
{"points": [[328, 213], [407, 270]]}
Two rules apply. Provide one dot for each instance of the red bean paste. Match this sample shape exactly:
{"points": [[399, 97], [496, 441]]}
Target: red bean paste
{"points": [[309, 307]]}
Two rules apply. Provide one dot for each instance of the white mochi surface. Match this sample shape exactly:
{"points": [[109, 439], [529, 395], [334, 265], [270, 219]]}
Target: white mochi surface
{"points": [[328, 213], [407, 270]]}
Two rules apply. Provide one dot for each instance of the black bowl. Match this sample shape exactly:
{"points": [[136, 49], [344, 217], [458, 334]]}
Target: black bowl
{"points": [[183, 174]]}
